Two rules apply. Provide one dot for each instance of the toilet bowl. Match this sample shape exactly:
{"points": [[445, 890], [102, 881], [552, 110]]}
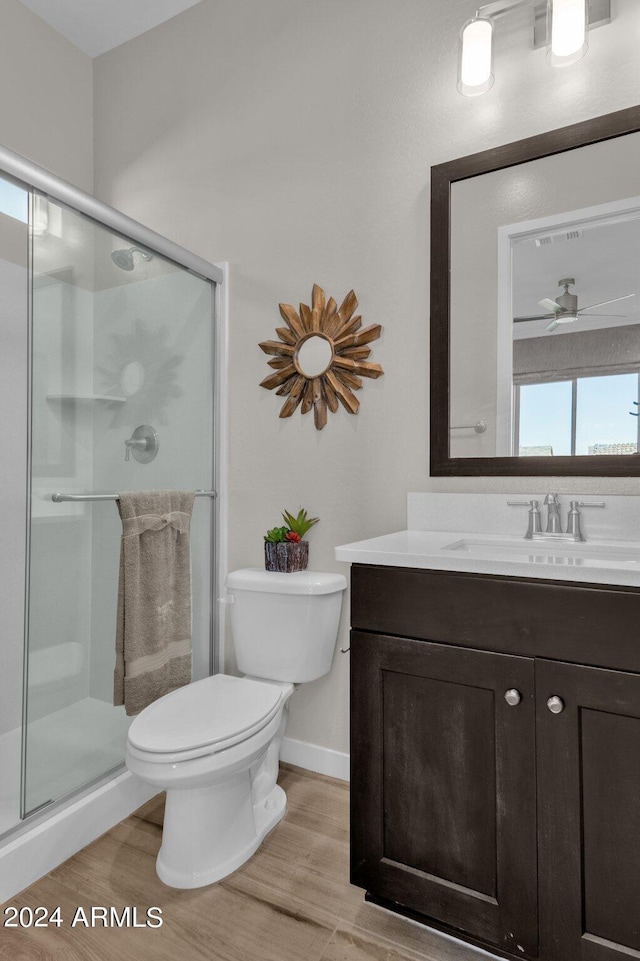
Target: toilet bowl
{"points": [[200, 744], [214, 745]]}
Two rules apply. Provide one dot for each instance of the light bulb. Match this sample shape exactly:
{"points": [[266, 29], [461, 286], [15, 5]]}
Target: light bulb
{"points": [[566, 31], [475, 74]]}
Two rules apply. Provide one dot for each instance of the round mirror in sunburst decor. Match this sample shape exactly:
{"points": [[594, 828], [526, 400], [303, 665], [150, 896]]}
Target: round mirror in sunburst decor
{"points": [[321, 356]]}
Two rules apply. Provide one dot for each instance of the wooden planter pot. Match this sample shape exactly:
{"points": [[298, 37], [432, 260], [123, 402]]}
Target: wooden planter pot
{"points": [[286, 557]]}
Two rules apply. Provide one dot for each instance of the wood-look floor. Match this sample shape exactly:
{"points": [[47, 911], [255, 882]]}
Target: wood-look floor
{"points": [[291, 901]]}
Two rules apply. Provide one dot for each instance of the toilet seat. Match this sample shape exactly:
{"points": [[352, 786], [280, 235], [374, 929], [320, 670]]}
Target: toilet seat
{"points": [[204, 717]]}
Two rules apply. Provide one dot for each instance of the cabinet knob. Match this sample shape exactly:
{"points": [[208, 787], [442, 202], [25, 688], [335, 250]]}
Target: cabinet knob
{"points": [[512, 697], [555, 704]]}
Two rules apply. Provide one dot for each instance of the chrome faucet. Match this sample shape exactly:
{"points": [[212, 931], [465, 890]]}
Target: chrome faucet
{"points": [[554, 525]]}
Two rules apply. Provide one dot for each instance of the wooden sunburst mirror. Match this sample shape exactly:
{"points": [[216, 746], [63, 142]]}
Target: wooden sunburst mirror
{"points": [[321, 356]]}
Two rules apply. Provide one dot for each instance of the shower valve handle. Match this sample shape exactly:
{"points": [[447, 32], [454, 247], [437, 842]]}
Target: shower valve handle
{"points": [[137, 444], [144, 443]]}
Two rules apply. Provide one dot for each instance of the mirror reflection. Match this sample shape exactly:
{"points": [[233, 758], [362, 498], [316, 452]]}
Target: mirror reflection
{"points": [[545, 306], [314, 355], [576, 361]]}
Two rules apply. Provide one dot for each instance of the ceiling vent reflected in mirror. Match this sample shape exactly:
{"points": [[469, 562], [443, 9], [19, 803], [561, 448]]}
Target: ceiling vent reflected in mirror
{"points": [[557, 238]]}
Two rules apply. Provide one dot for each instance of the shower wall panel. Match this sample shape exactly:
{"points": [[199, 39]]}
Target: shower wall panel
{"points": [[13, 465], [163, 324], [62, 428]]}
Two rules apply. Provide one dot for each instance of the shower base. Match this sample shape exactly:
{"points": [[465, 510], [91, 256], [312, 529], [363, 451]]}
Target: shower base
{"points": [[66, 749]]}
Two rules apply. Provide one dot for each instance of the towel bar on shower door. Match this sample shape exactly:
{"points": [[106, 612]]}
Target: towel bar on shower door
{"points": [[58, 498]]}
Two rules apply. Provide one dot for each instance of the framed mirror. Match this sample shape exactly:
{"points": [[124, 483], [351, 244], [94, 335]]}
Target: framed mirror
{"points": [[535, 305]]}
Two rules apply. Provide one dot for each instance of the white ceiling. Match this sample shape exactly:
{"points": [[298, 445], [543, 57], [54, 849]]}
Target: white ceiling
{"points": [[604, 259], [96, 26]]}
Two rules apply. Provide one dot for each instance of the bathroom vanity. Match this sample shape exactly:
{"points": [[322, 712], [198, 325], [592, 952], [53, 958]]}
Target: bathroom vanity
{"points": [[495, 745], [495, 702]]}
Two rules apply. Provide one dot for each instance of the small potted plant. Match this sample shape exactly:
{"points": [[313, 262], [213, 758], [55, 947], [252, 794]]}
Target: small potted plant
{"points": [[284, 547]]}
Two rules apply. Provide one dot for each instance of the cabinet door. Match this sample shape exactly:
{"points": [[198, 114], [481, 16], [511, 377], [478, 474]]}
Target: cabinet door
{"points": [[589, 813], [443, 785]]}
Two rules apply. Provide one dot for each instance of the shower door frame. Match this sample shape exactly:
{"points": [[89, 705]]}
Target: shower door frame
{"points": [[34, 177]]}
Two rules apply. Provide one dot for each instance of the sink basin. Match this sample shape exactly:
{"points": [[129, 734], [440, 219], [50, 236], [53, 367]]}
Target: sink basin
{"points": [[596, 561], [476, 534], [542, 551]]}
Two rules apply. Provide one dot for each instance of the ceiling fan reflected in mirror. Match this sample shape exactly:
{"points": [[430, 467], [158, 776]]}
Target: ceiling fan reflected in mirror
{"points": [[564, 309]]}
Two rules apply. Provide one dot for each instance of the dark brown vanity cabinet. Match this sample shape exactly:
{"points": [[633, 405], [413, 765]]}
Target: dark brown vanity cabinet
{"points": [[443, 785], [497, 794], [588, 767]]}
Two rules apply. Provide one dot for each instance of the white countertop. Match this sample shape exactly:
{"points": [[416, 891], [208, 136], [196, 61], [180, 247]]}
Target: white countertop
{"points": [[598, 561]]}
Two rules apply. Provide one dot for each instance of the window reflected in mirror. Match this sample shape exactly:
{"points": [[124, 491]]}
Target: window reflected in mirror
{"points": [[586, 416]]}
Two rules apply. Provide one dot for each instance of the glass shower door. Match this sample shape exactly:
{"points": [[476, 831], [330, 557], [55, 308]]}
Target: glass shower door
{"points": [[13, 382], [122, 342]]}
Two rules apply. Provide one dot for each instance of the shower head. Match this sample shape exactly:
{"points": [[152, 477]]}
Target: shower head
{"points": [[123, 258]]}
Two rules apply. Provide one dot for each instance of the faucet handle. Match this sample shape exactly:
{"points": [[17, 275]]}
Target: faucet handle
{"points": [[534, 516], [573, 519], [573, 522]]}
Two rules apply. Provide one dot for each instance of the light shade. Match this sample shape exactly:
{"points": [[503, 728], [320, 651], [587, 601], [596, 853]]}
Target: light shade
{"points": [[475, 66], [566, 31]]}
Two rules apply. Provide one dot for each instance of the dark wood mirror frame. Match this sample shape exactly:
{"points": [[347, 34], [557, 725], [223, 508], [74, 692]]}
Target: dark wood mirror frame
{"points": [[442, 177]]}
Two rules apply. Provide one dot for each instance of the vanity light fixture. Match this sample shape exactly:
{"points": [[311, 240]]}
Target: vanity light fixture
{"points": [[475, 70], [561, 25], [567, 25]]}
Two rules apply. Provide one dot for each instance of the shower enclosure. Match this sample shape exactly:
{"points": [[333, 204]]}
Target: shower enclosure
{"points": [[108, 335]]}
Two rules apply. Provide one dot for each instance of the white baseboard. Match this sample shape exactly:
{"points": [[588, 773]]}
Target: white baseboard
{"points": [[312, 757]]}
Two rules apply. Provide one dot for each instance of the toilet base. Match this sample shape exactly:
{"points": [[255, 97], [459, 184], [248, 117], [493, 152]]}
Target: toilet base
{"points": [[215, 860]]}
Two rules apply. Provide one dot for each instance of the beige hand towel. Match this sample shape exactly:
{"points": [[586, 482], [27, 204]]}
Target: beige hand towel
{"points": [[153, 632]]}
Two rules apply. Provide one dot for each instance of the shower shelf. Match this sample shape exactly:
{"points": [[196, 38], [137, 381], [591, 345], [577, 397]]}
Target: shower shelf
{"points": [[88, 398]]}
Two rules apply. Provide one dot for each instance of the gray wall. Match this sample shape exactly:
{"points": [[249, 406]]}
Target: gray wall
{"points": [[46, 109], [294, 139]]}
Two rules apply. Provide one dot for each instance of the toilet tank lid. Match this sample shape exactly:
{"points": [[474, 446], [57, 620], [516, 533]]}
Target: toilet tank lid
{"points": [[273, 582]]}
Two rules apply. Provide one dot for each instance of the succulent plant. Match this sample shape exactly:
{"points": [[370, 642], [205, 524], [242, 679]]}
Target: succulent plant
{"points": [[299, 525], [295, 530], [276, 535]]}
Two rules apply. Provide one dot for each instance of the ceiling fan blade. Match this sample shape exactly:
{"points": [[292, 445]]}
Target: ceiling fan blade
{"points": [[549, 304], [621, 316], [520, 320], [605, 302], [552, 325]]}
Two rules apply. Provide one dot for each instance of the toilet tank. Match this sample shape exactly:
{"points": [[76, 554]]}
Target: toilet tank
{"points": [[285, 626]]}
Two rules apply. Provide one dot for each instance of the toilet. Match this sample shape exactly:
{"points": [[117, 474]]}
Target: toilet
{"points": [[214, 745]]}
